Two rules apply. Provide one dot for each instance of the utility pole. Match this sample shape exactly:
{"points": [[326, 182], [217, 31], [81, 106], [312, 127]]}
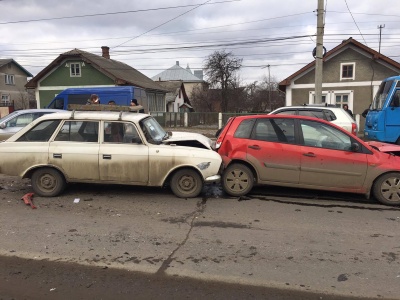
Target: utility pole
{"points": [[319, 52], [269, 88], [380, 27]]}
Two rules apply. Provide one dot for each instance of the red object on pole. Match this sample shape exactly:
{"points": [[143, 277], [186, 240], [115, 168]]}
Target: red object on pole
{"points": [[28, 200]]}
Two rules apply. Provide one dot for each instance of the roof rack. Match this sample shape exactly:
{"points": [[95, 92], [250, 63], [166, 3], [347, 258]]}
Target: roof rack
{"points": [[103, 107], [320, 105]]}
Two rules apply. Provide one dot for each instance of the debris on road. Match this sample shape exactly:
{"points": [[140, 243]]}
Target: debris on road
{"points": [[28, 200]]}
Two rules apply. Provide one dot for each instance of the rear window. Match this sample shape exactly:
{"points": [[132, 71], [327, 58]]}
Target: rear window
{"points": [[330, 116], [274, 130], [312, 113], [244, 129]]}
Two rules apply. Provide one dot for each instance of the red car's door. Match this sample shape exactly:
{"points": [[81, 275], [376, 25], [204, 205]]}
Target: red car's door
{"points": [[272, 152], [327, 161]]}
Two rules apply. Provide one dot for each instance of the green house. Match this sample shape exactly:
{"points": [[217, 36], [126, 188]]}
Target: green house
{"points": [[77, 68]]}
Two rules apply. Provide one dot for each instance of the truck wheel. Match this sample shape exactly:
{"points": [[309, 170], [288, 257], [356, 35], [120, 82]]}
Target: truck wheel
{"points": [[48, 182], [386, 189], [237, 180], [186, 183]]}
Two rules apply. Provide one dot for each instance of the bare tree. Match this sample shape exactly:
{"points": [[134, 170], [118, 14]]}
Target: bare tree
{"points": [[265, 95], [221, 70]]}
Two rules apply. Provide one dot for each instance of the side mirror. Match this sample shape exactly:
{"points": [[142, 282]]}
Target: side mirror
{"points": [[354, 147], [3, 125]]}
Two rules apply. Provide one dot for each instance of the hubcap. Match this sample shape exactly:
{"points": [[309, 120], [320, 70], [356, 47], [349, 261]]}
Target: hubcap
{"points": [[390, 189], [47, 182], [187, 183], [237, 180]]}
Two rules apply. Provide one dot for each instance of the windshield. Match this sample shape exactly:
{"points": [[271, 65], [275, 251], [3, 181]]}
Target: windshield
{"points": [[381, 95], [153, 131], [8, 116]]}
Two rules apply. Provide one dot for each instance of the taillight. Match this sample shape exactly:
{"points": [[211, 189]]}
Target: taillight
{"points": [[354, 128]]}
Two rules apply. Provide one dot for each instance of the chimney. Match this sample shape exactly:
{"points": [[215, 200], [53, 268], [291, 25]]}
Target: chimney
{"points": [[105, 52], [177, 62]]}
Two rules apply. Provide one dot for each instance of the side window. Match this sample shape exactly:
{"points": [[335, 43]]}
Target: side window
{"points": [[324, 136], [42, 132], [244, 129], [118, 132], [20, 121], [78, 131], [312, 113], [274, 130], [287, 112], [330, 116]]}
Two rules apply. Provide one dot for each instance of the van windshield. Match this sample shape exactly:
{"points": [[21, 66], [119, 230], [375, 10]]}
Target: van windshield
{"points": [[380, 97]]}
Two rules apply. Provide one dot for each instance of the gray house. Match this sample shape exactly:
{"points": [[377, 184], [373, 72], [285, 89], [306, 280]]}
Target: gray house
{"points": [[352, 73], [12, 86]]}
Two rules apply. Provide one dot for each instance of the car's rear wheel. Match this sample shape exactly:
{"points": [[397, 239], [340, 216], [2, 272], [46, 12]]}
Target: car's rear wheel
{"points": [[237, 180], [386, 189], [186, 183], [48, 182]]}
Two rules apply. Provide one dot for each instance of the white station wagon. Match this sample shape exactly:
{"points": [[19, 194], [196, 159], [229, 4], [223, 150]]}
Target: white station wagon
{"points": [[110, 147]]}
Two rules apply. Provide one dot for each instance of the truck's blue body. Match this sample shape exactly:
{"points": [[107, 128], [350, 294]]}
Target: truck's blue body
{"points": [[121, 95], [383, 119]]}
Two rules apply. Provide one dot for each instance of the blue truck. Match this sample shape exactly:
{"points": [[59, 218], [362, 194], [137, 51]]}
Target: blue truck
{"points": [[121, 95], [382, 122]]}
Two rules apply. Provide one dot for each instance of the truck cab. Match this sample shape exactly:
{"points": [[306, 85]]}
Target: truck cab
{"points": [[383, 119]]}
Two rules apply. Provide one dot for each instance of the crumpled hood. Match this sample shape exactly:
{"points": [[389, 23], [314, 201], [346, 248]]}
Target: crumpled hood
{"points": [[184, 139], [385, 147]]}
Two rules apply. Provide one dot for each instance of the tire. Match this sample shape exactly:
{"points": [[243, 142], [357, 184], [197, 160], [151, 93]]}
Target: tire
{"points": [[48, 182], [186, 183], [237, 180], [386, 189]]}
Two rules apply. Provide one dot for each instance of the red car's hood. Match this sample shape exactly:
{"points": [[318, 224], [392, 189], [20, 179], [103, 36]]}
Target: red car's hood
{"points": [[385, 147]]}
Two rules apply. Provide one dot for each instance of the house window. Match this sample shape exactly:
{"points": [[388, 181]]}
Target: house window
{"points": [[75, 70], [5, 100], [341, 100], [347, 71], [10, 79]]}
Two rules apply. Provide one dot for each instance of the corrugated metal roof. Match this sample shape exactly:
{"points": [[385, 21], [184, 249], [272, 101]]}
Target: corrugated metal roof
{"points": [[176, 72]]}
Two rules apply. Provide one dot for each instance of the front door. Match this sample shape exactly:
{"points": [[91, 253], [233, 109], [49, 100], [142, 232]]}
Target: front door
{"points": [[123, 157], [327, 161]]}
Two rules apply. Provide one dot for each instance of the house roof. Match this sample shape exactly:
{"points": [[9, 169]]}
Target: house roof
{"points": [[121, 73], [344, 45], [176, 72], [173, 88], [6, 61]]}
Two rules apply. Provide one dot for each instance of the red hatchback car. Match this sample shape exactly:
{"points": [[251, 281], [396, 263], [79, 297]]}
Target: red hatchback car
{"points": [[304, 152]]}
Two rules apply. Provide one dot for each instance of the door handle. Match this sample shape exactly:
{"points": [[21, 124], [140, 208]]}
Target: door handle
{"points": [[255, 147], [106, 156], [309, 154], [57, 155]]}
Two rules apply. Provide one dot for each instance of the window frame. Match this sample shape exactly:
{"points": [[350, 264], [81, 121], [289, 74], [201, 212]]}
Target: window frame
{"points": [[9, 79], [72, 69], [342, 65]]}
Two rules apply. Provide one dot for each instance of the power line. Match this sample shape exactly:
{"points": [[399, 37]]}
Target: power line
{"points": [[111, 13], [355, 21]]}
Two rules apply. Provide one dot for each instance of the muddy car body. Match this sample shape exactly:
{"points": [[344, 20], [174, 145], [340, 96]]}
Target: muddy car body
{"points": [[307, 153], [108, 147]]}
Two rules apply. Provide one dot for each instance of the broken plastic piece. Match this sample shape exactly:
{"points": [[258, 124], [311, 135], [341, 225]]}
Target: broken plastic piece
{"points": [[28, 200]]}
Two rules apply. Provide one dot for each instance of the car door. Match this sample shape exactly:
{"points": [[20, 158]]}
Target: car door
{"points": [[327, 160], [75, 151], [123, 157], [273, 152]]}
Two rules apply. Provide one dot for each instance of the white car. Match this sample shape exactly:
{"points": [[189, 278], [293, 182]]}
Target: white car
{"points": [[108, 147], [15, 121], [335, 115]]}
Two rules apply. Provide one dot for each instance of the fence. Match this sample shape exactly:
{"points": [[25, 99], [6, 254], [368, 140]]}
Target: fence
{"points": [[212, 120]]}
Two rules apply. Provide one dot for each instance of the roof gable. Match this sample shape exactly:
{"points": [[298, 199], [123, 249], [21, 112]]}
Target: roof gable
{"points": [[121, 73], [349, 43], [6, 61]]}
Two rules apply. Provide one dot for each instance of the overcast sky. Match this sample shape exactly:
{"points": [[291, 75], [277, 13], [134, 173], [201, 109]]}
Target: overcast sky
{"points": [[152, 35]]}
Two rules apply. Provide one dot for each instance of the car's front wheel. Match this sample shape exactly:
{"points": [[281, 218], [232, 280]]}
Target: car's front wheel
{"points": [[386, 189], [237, 180], [186, 183], [48, 182]]}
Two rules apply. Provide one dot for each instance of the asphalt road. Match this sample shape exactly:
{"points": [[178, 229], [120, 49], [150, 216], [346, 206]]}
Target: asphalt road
{"points": [[128, 242]]}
